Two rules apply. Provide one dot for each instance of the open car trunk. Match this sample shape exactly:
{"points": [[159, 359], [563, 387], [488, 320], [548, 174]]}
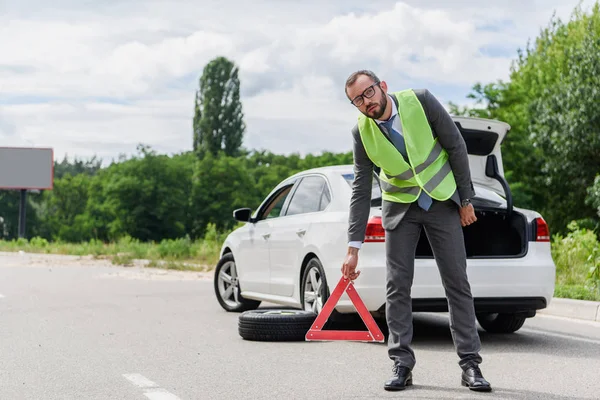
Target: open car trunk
{"points": [[500, 232], [494, 235]]}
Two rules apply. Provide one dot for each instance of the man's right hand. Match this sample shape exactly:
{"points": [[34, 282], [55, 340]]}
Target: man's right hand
{"points": [[349, 266]]}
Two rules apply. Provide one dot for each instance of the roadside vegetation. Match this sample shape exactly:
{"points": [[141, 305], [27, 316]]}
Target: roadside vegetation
{"points": [[180, 254], [577, 259]]}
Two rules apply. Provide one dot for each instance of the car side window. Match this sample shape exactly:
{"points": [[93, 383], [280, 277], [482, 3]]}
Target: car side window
{"points": [[325, 197], [274, 207], [375, 188], [309, 196]]}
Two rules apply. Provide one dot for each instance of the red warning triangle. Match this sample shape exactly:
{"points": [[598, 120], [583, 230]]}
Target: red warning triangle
{"points": [[373, 334]]}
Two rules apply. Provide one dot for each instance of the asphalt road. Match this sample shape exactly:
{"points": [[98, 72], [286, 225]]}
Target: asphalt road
{"points": [[89, 332]]}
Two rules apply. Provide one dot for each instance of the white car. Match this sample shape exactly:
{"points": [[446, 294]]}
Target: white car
{"points": [[291, 249]]}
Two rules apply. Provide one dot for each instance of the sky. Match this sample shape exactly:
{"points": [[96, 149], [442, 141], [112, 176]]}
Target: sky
{"points": [[96, 78]]}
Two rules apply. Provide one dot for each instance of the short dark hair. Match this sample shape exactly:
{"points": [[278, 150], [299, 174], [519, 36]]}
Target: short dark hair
{"points": [[354, 76]]}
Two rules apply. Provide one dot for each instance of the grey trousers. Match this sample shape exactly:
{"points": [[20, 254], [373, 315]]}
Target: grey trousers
{"points": [[444, 232]]}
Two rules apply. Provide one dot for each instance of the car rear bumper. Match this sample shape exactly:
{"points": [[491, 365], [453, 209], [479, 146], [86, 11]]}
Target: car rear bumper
{"points": [[485, 305], [497, 285]]}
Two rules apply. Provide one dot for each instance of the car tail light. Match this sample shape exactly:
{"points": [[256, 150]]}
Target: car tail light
{"points": [[542, 232], [375, 231]]}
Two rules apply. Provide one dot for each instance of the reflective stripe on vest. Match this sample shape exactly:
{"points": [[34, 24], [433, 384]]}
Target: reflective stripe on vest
{"points": [[401, 181], [433, 155]]}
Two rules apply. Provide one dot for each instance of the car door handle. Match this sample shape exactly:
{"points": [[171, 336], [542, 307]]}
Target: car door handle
{"points": [[301, 232], [266, 236]]}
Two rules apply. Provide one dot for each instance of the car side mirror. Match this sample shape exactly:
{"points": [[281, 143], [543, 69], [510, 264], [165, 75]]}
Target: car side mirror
{"points": [[242, 214]]}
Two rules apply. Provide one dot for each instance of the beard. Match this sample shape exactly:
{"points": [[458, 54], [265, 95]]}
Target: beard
{"points": [[378, 108]]}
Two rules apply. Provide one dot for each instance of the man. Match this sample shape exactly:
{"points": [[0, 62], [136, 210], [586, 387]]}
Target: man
{"points": [[426, 184]]}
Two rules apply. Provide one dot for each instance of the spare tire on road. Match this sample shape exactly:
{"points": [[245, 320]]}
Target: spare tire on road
{"points": [[275, 324]]}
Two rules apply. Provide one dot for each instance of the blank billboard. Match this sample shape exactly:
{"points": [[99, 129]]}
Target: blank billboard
{"points": [[26, 168]]}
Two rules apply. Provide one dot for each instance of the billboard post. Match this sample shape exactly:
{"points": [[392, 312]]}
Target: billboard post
{"points": [[23, 169], [22, 213]]}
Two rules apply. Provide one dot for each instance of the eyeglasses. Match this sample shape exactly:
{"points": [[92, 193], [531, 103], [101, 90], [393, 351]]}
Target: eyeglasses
{"points": [[368, 93]]}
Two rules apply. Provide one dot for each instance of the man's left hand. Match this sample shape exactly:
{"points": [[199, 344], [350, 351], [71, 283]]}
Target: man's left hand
{"points": [[467, 215]]}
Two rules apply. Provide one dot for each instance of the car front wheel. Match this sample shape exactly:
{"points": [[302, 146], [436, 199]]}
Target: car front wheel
{"points": [[227, 287], [313, 289]]}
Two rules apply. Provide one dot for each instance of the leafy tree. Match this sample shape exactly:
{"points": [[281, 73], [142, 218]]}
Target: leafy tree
{"points": [[218, 123], [61, 209], [567, 129], [220, 184], [144, 197], [593, 199], [77, 166]]}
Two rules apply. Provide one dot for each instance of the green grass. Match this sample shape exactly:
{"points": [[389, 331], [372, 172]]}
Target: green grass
{"points": [[179, 254], [577, 292]]}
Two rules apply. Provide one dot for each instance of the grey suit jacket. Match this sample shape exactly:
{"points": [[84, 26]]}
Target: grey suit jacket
{"points": [[450, 138]]}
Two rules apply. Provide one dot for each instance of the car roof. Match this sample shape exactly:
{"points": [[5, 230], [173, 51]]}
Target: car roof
{"points": [[327, 170]]}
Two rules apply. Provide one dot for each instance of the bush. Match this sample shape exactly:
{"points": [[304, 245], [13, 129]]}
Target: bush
{"points": [[175, 248], [594, 271], [577, 259], [38, 242]]}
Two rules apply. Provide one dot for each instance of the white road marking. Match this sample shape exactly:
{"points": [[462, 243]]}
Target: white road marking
{"points": [[160, 394], [140, 381], [153, 392], [560, 335]]}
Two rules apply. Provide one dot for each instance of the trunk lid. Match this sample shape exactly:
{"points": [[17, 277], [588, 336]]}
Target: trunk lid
{"points": [[483, 138]]}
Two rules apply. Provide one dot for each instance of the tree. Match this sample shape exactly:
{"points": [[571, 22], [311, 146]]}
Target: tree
{"points": [[144, 197], [218, 123], [78, 166], [62, 209], [567, 129], [220, 184], [593, 195]]}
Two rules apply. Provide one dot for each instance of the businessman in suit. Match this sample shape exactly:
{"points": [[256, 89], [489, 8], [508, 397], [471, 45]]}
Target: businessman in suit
{"points": [[440, 206]]}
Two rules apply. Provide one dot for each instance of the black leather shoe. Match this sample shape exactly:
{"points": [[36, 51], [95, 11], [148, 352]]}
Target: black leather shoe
{"points": [[474, 380], [401, 379]]}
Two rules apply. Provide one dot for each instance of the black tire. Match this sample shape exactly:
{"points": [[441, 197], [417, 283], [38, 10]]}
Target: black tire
{"points": [[323, 292], [235, 302], [271, 325], [500, 323]]}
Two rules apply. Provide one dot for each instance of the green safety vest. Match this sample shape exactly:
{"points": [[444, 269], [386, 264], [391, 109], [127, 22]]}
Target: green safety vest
{"points": [[428, 168]]}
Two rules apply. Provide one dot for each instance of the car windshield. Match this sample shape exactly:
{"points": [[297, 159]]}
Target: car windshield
{"points": [[375, 189]]}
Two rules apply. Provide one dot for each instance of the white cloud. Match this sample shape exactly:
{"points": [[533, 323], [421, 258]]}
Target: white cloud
{"points": [[389, 41], [7, 127], [64, 62], [101, 129]]}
